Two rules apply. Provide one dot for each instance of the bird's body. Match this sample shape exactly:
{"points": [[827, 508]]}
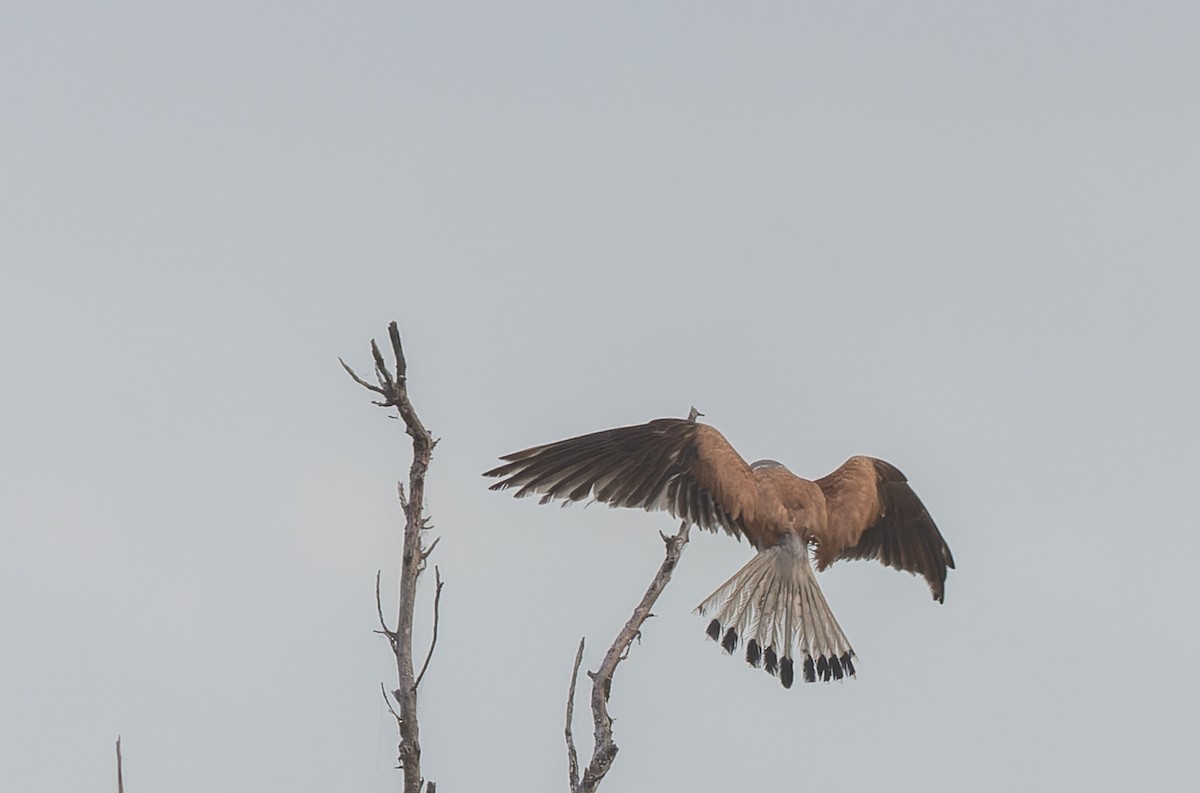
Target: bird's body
{"points": [[864, 509]]}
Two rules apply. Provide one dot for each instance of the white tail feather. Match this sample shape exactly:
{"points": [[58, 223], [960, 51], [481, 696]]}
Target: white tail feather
{"points": [[775, 606]]}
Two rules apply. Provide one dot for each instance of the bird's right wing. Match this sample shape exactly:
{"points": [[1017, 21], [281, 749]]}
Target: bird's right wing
{"points": [[680, 466], [874, 514]]}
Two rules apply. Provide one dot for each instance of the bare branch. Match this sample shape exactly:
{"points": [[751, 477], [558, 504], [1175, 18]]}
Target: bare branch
{"points": [[379, 610], [381, 371], [605, 750], [572, 757], [398, 349], [120, 771], [394, 390], [361, 381], [437, 601], [388, 702]]}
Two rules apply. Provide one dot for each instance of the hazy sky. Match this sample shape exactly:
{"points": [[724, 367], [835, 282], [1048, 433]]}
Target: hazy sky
{"points": [[961, 237]]}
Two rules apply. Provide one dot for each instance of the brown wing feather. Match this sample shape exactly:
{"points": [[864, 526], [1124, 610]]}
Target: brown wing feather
{"points": [[685, 468], [874, 514]]}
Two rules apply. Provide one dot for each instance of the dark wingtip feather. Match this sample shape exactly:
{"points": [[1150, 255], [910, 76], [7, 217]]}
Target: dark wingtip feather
{"points": [[823, 669], [770, 661], [502, 470], [835, 667], [810, 671], [730, 642], [753, 653], [847, 663], [714, 630], [786, 672]]}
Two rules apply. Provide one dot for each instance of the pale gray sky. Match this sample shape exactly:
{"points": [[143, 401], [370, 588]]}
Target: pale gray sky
{"points": [[962, 237]]}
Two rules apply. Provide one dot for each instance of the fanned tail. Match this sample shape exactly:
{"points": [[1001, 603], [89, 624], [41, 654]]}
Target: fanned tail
{"points": [[775, 606]]}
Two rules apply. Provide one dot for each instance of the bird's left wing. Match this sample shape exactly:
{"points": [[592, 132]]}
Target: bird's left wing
{"points": [[680, 466], [874, 514]]}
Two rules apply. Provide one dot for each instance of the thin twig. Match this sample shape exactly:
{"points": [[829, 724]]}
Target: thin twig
{"points": [[388, 702], [120, 771], [361, 381], [385, 377], [604, 749], [379, 610], [437, 600], [572, 757]]}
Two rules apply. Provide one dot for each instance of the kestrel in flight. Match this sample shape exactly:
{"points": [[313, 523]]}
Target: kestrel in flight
{"points": [[863, 510]]}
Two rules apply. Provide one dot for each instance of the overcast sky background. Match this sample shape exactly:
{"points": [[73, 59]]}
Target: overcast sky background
{"points": [[961, 237]]}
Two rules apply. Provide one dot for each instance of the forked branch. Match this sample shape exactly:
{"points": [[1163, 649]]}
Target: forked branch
{"points": [[604, 750]]}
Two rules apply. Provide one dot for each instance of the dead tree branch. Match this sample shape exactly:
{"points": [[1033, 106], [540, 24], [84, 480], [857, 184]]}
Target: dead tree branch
{"points": [[604, 751], [572, 756], [437, 607], [393, 387], [120, 771]]}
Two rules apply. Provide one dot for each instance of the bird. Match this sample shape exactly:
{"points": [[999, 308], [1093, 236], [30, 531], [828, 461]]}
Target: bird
{"points": [[774, 606]]}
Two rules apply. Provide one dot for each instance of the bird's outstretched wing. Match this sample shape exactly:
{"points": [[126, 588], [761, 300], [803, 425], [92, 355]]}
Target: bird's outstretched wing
{"points": [[874, 514], [680, 466]]}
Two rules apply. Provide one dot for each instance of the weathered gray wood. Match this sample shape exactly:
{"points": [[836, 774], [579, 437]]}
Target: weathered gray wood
{"points": [[394, 390], [604, 751]]}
